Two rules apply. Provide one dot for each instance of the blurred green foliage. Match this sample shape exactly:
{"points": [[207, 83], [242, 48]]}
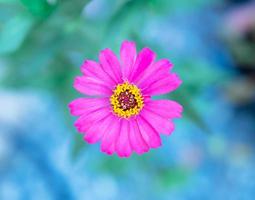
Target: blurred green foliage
{"points": [[40, 8], [13, 32]]}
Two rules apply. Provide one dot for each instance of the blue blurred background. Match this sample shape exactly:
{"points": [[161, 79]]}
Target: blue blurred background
{"points": [[211, 153]]}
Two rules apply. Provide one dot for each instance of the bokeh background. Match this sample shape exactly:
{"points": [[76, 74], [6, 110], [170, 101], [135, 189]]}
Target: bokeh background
{"points": [[211, 153]]}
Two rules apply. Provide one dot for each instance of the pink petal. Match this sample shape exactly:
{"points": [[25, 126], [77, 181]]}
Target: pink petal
{"points": [[83, 106], [98, 129], [162, 86], [110, 64], [136, 140], [165, 108], [128, 56], [123, 147], [91, 68], [149, 134], [91, 86], [143, 61], [109, 150], [110, 138], [160, 124], [155, 72], [84, 122]]}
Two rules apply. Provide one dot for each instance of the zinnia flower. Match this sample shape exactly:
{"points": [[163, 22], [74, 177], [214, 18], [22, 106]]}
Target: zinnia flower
{"points": [[120, 111]]}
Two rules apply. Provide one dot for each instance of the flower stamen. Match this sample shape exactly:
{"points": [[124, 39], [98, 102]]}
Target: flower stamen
{"points": [[126, 100]]}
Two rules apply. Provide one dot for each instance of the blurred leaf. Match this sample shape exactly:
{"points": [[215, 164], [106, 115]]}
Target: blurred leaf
{"points": [[173, 177], [189, 110], [113, 164], [13, 32], [78, 145], [127, 14], [197, 76], [9, 1], [40, 8], [197, 73], [163, 6]]}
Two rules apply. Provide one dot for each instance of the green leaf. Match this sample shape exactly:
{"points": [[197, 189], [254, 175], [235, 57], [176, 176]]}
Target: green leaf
{"points": [[163, 6], [173, 177], [8, 1], [189, 111], [40, 8], [13, 32], [78, 146]]}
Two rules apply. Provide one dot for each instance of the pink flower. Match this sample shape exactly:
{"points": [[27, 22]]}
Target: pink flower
{"points": [[120, 111]]}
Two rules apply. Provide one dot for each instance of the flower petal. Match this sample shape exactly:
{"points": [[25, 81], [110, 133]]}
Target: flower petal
{"points": [[83, 106], [160, 124], [85, 121], [123, 147], [149, 134], [91, 86], [144, 59], [110, 138], [162, 86], [156, 71], [98, 129], [128, 56], [91, 68], [110, 64], [136, 140], [165, 108]]}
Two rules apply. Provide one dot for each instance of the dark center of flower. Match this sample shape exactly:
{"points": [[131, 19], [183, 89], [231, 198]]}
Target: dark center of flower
{"points": [[127, 100]]}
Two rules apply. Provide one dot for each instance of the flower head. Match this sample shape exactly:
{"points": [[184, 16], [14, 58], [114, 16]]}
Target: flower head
{"points": [[120, 112]]}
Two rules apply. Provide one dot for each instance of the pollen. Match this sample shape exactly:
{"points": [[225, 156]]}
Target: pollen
{"points": [[126, 100]]}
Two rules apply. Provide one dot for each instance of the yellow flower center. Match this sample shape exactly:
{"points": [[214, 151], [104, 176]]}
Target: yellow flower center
{"points": [[126, 100]]}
